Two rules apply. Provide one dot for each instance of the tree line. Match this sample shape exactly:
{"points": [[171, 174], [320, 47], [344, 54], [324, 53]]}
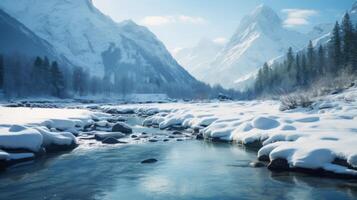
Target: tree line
{"points": [[21, 77], [301, 70]]}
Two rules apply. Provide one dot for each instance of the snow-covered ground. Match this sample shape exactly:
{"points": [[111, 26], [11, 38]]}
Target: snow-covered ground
{"points": [[321, 137], [27, 131]]}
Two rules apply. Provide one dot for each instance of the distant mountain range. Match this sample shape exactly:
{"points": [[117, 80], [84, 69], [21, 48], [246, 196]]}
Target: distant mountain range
{"points": [[260, 37], [77, 31]]}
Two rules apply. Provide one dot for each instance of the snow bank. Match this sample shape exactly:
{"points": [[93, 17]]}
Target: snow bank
{"points": [[307, 138], [32, 129], [27, 139]]}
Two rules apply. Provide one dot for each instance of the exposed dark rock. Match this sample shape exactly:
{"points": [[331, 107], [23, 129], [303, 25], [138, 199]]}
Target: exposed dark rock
{"points": [[179, 140], [279, 164], [343, 162], [166, 140], [54, 148], [200, 136], [153, 140], [122, 127], [110, 140], [176, 133], [148, 161], [264, 158], [133, 136], [257, 164], [254, 145]]}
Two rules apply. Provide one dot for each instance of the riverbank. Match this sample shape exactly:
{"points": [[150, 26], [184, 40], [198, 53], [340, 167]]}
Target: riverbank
{"points": [[319, 139]]}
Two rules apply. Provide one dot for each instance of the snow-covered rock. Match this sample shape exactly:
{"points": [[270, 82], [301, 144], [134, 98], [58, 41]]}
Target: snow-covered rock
{"points": [[28, 139], [103, 135], [300, 138]]}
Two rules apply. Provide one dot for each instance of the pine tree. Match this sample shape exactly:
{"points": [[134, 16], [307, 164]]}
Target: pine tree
{"points": [[321, 69], [304, 70], [259, 82], [347, 39], [36, 78], [335, 52], [311, 70], [290, 58], [354, 50], [1, 72], [298, 77], [57, 80]]}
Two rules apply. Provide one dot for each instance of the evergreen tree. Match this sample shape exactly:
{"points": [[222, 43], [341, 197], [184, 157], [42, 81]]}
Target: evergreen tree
{"points": [[311, 69], [347, 39], [290, 58], [1, 72], [321, 61], [57, 80], [259, 82], [304, 70], [299, 72], [335, 52]]}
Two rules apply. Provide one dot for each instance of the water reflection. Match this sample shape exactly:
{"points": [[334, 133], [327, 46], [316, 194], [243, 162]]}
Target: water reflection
{"points": [[185, 170]]}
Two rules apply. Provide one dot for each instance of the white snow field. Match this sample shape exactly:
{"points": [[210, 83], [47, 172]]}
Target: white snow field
{"points": [[308, 138], [32, 129]]}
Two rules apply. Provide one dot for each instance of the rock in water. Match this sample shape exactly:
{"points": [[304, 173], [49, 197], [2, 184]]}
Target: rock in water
{"points": [[122, 127], [257, 164], [279, 165], [149, 161], [110, 141]]}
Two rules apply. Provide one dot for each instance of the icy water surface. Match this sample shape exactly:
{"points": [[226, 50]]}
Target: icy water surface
{"points": [[185, 170]]}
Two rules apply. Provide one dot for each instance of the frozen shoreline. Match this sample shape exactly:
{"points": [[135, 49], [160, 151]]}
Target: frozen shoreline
{"points": [[322, 138]]}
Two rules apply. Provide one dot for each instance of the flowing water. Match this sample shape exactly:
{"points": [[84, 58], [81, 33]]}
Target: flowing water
{"points": [[185, 170]]}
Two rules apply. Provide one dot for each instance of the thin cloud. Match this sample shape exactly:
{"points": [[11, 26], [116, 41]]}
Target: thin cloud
{"points": [[220, 40], [190, 19], [298, 17], [157, 20], [165, 20]]}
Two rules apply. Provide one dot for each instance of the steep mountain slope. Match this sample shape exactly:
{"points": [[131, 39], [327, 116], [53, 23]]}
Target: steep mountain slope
{"points": [[122, 52], [197, 59], [15, 38], [260, 37]]}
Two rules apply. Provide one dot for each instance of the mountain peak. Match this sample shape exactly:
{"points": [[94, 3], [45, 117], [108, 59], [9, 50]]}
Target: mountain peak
{"points": [[263, 17], [265, 12]]}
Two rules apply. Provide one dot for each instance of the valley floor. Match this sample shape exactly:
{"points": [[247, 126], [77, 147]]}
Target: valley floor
{"points": [[320, 139]]}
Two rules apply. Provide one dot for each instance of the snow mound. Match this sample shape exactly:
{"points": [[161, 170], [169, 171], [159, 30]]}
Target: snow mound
{"points": [[27, 139], [304, 138], [265, 123]]}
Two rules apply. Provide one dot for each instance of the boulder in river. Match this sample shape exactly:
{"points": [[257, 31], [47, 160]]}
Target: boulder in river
{"points": [[176, 133], [110, 140], [279, 165], [153, 140], [257, 164], [122, 127], [149, 161]]}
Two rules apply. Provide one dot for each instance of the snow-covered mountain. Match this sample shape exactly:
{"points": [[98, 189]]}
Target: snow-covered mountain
{"points": [[89, 39], [15, 38], [197, 59], [260, 37]]}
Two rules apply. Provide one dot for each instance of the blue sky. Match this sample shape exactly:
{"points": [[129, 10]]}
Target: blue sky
{"points": [[182, 23]]}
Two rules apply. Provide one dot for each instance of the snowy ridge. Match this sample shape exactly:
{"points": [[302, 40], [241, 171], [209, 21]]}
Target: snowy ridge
{"points": [[16, 38], [306, 138], [81, 33], [259, 37], [197, 59]]}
